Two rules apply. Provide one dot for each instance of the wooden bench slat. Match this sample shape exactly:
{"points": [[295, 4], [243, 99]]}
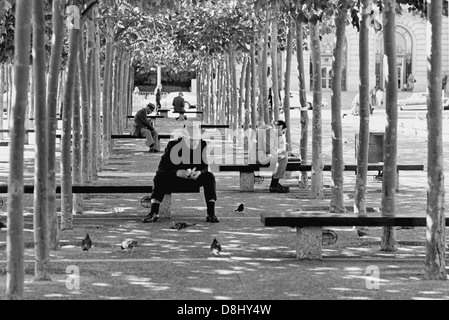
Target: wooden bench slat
{"points": [[311, 219], [297, 166], [106, 189]]}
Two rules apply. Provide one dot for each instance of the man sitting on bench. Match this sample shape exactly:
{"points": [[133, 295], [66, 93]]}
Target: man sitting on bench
{"points": [[271, 147], [145, 128], [184, 163], [178, 106]]}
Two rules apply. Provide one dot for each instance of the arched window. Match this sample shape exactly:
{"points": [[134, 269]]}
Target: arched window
{"points": [[404, 55]]}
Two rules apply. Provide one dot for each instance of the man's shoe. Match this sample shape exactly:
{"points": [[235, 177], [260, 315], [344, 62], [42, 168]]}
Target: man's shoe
{"points": [[151, 217], [212, 218], [279, 189], [153, 150], [284, 187]]}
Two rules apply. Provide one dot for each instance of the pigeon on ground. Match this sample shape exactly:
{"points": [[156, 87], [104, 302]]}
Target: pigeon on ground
{"points": [[2, 225], [128, 244], [181, 225], [361, 233], [86, 244], [215, 247], [240, 208]]}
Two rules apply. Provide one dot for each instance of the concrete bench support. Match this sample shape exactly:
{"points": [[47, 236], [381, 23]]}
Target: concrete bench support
{"points": [[308, 243], [246, 181]]}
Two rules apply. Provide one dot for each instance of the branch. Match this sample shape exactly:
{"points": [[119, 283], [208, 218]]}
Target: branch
{"points": [[86, 11]]}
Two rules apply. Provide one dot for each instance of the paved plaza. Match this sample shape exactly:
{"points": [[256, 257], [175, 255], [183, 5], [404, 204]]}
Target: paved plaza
{"points": [[257, 263]]}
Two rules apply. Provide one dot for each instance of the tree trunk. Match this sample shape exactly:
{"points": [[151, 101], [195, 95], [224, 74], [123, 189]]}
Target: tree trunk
{"points": [[76, 153], [107, 79], [52, 107], [288, 69], [15, 270], [85, 114], [96, 111], [388, 240], [2, 90], [316, 190], [304, 116], [364, 112], [242, 100], [234, 91], [253, 84], [264, 68], [248, 93], [274, 60], [66, 140], [337, 202], [41, 235], [435, 264]]}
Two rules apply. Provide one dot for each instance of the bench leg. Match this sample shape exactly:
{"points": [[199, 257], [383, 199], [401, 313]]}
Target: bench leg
{"points": [[397, 181], [308, 243], [164, 208], [246, 181], [163, 113]]}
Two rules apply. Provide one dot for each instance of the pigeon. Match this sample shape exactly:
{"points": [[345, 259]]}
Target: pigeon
{"points": [[86, 244], [128, 244], [240, 208], [361, 233], [215, 247], [181, 225], [2, 225]]}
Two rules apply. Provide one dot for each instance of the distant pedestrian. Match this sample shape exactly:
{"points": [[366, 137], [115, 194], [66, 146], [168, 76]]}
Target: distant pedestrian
{"points": [[410, 82], [157, 93]]}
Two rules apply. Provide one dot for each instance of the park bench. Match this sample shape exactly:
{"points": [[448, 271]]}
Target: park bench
{"points": [[198, 113], [129, 136], [309, 226], [165, 207], [247, 170], [152, 116], [164, 112], [27, 132]]}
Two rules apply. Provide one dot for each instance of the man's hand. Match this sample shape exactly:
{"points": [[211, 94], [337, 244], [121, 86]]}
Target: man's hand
{"points": [[195, 174], [183, 174]]}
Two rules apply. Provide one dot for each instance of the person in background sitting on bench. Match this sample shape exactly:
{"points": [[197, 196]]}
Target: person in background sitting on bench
{"points": [[145, 128], [184, 163], [178, 106], [281, 152]]}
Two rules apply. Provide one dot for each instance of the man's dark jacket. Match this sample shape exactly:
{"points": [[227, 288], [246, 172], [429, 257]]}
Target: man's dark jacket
{"points": [[177, 156], [178, 104], [141, 121]]}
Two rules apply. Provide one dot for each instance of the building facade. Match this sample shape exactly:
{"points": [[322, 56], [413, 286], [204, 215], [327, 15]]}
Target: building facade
{"points": [[411, 54]]}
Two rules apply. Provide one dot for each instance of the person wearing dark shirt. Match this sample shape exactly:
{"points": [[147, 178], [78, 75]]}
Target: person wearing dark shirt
{"points": [[184, 164], [178, 106], [145, 128]]}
